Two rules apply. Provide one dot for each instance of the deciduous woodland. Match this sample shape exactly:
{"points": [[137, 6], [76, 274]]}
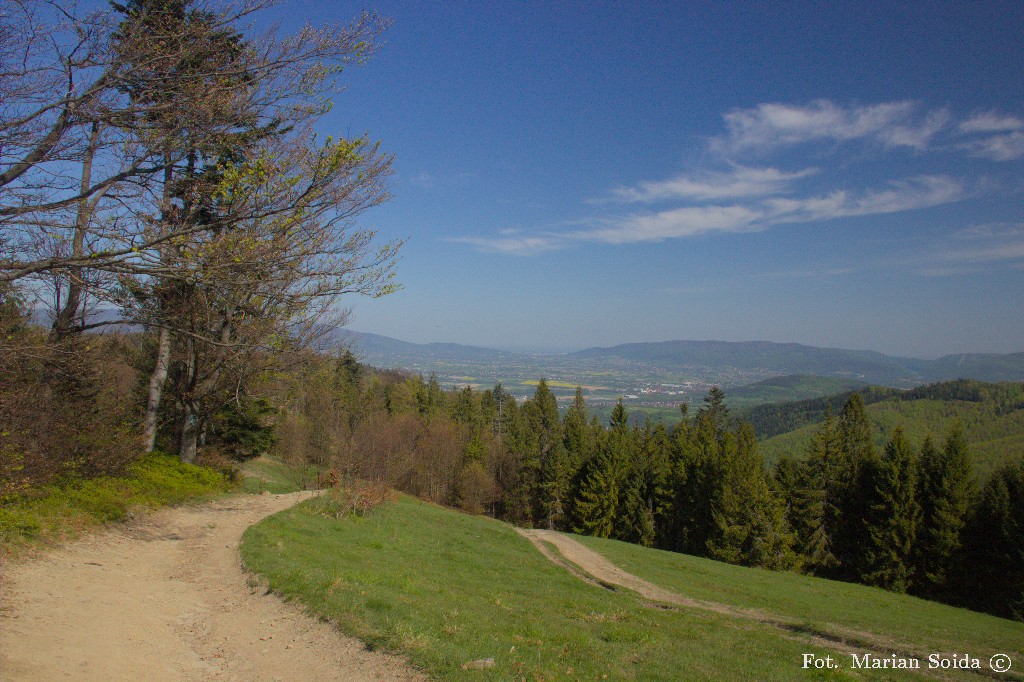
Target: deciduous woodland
{"points": [[157, 160]]}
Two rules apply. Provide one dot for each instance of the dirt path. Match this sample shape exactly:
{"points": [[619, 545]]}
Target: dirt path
{"points": [[592, 567], [166, 599], [605, 573]]}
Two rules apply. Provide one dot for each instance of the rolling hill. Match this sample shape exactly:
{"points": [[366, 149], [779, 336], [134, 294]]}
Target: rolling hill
{"points": [[793, 358], [992, 415], [716, 362], [789, 388]]}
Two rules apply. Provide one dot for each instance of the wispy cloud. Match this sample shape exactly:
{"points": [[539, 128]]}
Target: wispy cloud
{"points": [[903, 195], [992, 231], [1008, 147], [689, 221], [695, 221], [773, 125], [996, 136], [975, 248], [524, 245], [734, 196], [427, 180], [740, 182], [992, 122]]}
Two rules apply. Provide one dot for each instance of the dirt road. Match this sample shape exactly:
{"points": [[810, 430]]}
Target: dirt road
{"points": [[165, 598]]}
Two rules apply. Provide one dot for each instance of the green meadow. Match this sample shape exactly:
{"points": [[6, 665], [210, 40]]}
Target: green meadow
{"points": [[449, 590]]}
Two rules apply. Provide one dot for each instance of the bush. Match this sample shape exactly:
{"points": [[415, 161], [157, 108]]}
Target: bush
{"points": [[64, 506], [357, 499]]}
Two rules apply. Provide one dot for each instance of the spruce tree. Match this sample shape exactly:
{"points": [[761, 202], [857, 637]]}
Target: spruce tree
{"points": [[696, 484], [597, 501], [946, 494], [553, 471], [893, 517], [990, 574], [818, 497], [715, 409], [750, 521], [576, 432], [673, 522], [854, 488]]}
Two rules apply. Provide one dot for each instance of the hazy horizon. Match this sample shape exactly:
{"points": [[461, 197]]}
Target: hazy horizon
{"points": [[542, 350]]}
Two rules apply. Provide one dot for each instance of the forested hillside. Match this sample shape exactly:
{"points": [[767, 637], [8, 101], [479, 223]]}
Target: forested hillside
{"points": [[992, 416], [785, 389], [906, 517]]}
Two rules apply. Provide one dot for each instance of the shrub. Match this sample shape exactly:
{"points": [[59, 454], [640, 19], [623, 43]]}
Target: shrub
{"points": [[358, 498]]}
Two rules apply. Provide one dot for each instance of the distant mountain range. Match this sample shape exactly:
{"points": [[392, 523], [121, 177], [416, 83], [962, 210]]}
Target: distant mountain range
{"points": [[381, 351], [700, 356], [793, 358]]}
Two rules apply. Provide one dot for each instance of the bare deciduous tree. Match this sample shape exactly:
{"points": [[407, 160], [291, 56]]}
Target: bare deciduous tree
{"points": [[159, 156]]}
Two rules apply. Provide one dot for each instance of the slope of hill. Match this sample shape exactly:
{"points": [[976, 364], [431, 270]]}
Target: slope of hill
{"points": [[484, 604], [383, 351], [992, 415], [788, 388]]}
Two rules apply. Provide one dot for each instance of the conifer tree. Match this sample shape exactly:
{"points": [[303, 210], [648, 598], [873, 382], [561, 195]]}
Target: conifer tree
{"points": [[750, 522], [817, 505], [655, 451], [991, 573], [715, 409], [946, 494], [696, 484], [854, 488], [553, 472], [596, 503], [893, 518], [466, 410], [634, 521], [673, 522], [576, 432]]}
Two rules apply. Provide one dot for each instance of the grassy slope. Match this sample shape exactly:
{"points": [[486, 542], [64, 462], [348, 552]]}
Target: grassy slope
{"points": [[787, 389], [825, 605], [445, 588], [62, 511], [993, 440], [272, 475]]}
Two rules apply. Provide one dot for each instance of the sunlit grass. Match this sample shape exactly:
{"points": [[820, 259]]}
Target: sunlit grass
{"points": [[65, 509], [446, 589]]}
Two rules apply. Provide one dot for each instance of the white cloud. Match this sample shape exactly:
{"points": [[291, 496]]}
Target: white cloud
{"points": [[1008, 147], [773, 125], [989, 254], [740, 182], [905, 195], [992, 231], [976, 248], [689, 221], [743, 198], [515, 246], [992, 122], [694, 221]]}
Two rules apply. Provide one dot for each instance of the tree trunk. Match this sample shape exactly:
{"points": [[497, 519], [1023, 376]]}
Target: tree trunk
{"points": [[163, 346], [156, 387], [63, 322], [190, 428]]}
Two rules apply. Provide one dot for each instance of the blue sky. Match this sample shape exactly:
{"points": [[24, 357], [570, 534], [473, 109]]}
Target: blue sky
{"points": [[580, 174]]}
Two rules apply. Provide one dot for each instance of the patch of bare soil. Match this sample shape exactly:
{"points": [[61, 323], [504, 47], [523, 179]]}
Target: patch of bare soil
{"points": [[165, 598]]}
